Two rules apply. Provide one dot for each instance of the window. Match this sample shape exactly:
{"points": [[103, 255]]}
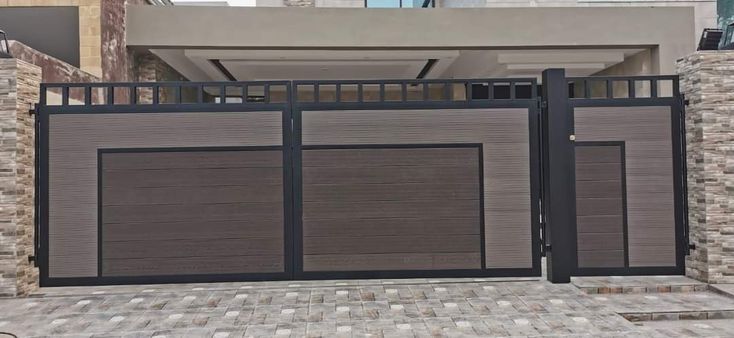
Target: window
{"points": [[399, 3]]}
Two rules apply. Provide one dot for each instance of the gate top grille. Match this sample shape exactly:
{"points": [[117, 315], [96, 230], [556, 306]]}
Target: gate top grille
{"points": [[623, 87], [101, 94]]}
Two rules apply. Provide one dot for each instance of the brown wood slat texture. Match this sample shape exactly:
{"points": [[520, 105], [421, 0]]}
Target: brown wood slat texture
{"points": [[599, 206], [503, 133], [391, 209], [646, 132], [193, 224], [75, 138]]}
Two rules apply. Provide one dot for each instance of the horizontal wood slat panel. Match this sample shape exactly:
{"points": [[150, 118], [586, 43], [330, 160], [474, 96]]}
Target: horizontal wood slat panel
{"points": [[74, 141], [387, 175], [194, 160], [193, 229], [216, 220], [390, 192], [192, 266], [203, 212], [356, 158], [412, 188], [504, 134], [413, 243], [600, 205], [393, 226], [401, 261], [647, 135], [601, 259], [192, 195], [195, 247], [192, 177]]}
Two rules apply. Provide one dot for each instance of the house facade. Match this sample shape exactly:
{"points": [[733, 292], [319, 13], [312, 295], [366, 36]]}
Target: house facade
{"points": [[204, 142]]}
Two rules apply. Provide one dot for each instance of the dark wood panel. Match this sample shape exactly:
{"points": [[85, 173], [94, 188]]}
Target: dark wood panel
{"points": [[382, 209], [188, 220], [398, 174], [393, 226], [601, 259], [597, 189], [598, 171], [352, 211], [389, 244], [192, 177], [366, 158], [192, 265], [202, 212], [193, 229], [402, 261], [195, 159], [601, 241], [390, 192], [221, 247], [597, 154], [600, 198], [599, 206], [599, 223], [127, 195]]}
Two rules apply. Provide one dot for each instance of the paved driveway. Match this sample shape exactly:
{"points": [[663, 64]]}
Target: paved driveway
{"points": [[403, 308]]}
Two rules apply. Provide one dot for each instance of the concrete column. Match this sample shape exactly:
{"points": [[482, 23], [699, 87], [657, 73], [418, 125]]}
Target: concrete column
{"points": [[19, 90], [707, 81]]}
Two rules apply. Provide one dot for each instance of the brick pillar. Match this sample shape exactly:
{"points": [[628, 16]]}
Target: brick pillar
{"points": [[19, 89], [707, 80]]}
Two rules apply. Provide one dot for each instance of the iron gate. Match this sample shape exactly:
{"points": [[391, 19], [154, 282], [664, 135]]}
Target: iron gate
{"points": [[188, 182], [621, 209]]}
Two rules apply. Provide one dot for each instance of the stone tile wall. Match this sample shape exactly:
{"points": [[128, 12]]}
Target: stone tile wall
{"points": [[19, 89], [707, 81]]}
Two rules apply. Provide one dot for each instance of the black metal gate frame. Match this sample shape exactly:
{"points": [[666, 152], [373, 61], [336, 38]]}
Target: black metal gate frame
{"points": [[446, 101], [109, 103], [91, 102], [558, 154]]}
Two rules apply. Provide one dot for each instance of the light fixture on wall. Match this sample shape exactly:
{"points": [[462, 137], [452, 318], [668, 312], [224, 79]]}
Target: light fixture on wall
{"points": [[4, 46]]}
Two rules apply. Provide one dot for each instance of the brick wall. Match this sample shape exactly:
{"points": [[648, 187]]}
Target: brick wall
{"points": [[707, 80], [19, 82]]}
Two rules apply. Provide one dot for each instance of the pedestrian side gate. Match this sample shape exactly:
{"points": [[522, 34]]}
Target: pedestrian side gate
{"points": [[188, 182]]}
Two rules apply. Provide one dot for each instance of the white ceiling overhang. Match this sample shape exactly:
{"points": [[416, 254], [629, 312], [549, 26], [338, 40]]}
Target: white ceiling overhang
{"points": [[320, 64]]}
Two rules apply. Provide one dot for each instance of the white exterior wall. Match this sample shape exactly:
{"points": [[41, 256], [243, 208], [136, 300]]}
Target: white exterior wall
{"points": [[705, 10]]}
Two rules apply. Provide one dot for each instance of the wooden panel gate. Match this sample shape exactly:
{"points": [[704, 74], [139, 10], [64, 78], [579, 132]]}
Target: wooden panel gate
{"points": [[186, 182]]}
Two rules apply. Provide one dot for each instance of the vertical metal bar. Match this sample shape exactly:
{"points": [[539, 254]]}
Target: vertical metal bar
{"points": [[560, 200], [382, 92], [266, 93], [244, 93], [88, 95], [199, 94], [360, 92], [404, 90], [65, 96], [490, 90], [469, 90], [43, 97], [338, 94], [610, 89], [426, 94], [156, 94], [448, 91], [133, 94], [653, 88], [222, 94], [587, 88], [512, 90], [178, 94], [110, 95], [631, 89]]}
